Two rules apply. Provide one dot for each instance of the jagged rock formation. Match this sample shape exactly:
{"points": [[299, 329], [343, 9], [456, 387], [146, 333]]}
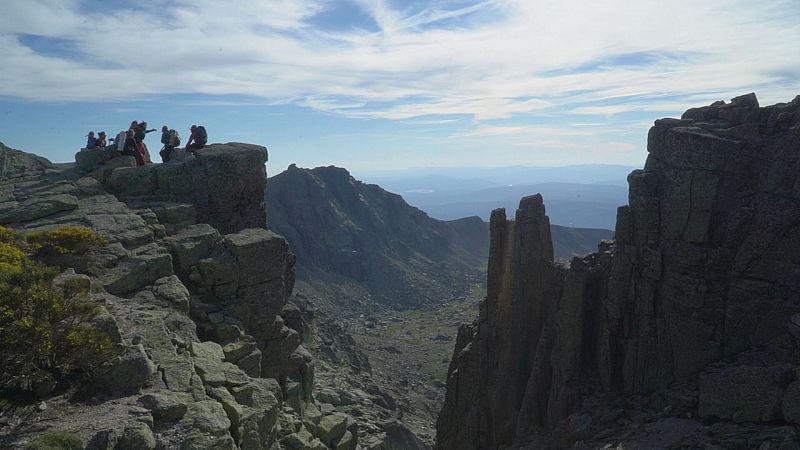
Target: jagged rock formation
{"points": [[691, 312], [209, 349]]}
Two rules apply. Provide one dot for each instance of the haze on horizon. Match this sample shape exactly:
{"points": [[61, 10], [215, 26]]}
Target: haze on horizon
{"points": [[388, 84]]}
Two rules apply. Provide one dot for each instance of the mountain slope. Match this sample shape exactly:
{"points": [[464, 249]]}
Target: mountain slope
{"points": [[570, 242], [340, 227]]}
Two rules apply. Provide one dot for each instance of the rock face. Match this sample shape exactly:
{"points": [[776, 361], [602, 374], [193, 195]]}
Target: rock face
{"points": [[192, 290], [225, 184], [689, 312]]}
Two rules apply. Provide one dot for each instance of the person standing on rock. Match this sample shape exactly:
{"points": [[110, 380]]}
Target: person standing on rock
{"points": [[131, 148], [198, 138], [140, 132], [170, 139]]}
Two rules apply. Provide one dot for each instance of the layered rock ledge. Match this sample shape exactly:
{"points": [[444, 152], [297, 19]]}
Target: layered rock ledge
{"points": [[682, 333]]}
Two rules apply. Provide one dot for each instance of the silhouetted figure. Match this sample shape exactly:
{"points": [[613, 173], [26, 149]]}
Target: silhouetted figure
{"points": [[91, 141], [131, 148], [170, 139], [139, 133], [101, 140], [198, 139]]}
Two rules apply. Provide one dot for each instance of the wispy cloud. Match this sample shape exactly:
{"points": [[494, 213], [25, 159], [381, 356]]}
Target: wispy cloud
{"points": [[483, 59]]}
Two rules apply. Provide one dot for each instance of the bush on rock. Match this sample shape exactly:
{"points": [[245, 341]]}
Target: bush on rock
{"points": [[45, 321], [55, 440], [68, 240]]}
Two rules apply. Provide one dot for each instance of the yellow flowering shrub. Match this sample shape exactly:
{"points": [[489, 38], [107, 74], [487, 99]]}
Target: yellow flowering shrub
{"points": [[44, 328], [7, 235], [68, 240]]}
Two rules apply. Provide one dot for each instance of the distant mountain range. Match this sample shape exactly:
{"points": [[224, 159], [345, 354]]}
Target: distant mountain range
{"points": [[341, 227], [575, 196], [503, 176]]}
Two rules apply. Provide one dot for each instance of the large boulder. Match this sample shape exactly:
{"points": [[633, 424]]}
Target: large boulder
{"points": [[260, 254], [166, 406], [399, 437], [137, 436], [131, 370], [137, 272], [331, 428], [103, 172]]}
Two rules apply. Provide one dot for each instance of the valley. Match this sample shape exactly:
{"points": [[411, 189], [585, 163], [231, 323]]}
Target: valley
{"points": [[389, 286]]}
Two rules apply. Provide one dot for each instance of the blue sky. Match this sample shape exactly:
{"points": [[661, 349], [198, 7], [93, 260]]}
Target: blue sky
{"points": [[388, 84]]}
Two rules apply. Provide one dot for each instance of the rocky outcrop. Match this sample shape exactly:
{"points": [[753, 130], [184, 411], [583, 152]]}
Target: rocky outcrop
{"points": [[224, 182], [690, 312], [208, 351]]}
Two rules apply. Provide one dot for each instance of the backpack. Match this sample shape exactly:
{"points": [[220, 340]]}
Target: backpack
{"points": [[201, 133], [120, 140], [174, 138]]}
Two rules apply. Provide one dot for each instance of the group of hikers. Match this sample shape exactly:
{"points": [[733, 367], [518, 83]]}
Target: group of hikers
{"points": [[131, 142]]}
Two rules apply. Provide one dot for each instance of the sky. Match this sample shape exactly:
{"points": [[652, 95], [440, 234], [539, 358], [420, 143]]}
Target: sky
{"points": [[388, 84]]}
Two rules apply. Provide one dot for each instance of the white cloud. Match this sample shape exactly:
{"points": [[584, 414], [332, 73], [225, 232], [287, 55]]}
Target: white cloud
{"points": [[525, 56]]}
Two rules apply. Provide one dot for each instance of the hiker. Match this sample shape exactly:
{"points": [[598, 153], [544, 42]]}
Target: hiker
{"points": [[101, 140], [140, 130], [198, 138], [130, 147], [139, 133], [118, 142], [91, 141], [170, 139]]}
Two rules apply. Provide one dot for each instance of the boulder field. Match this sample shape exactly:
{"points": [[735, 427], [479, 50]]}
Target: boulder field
{"points": [[681, 333]]}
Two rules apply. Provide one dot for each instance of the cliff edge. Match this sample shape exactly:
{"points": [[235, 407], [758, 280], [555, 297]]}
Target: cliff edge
{"points": [[680, 333], [193, 292]]}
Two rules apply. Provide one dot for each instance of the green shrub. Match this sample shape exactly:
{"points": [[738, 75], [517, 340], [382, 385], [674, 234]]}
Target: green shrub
{"points": [[44, 328], [68, 240], [7, 235], [11, 256], [55, 440]]}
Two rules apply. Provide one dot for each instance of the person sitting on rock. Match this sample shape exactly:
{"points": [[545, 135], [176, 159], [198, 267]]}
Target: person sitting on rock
{"points": [[101, 140], [131, 148], [198, 138], [91, 141], [170, 139]]}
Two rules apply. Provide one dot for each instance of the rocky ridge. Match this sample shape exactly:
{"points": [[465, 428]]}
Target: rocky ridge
{"points": [[194, 292], [681, 333]]}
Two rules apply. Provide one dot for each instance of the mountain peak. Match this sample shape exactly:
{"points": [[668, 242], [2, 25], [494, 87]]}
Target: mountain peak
{"points": [[339, 225]]}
